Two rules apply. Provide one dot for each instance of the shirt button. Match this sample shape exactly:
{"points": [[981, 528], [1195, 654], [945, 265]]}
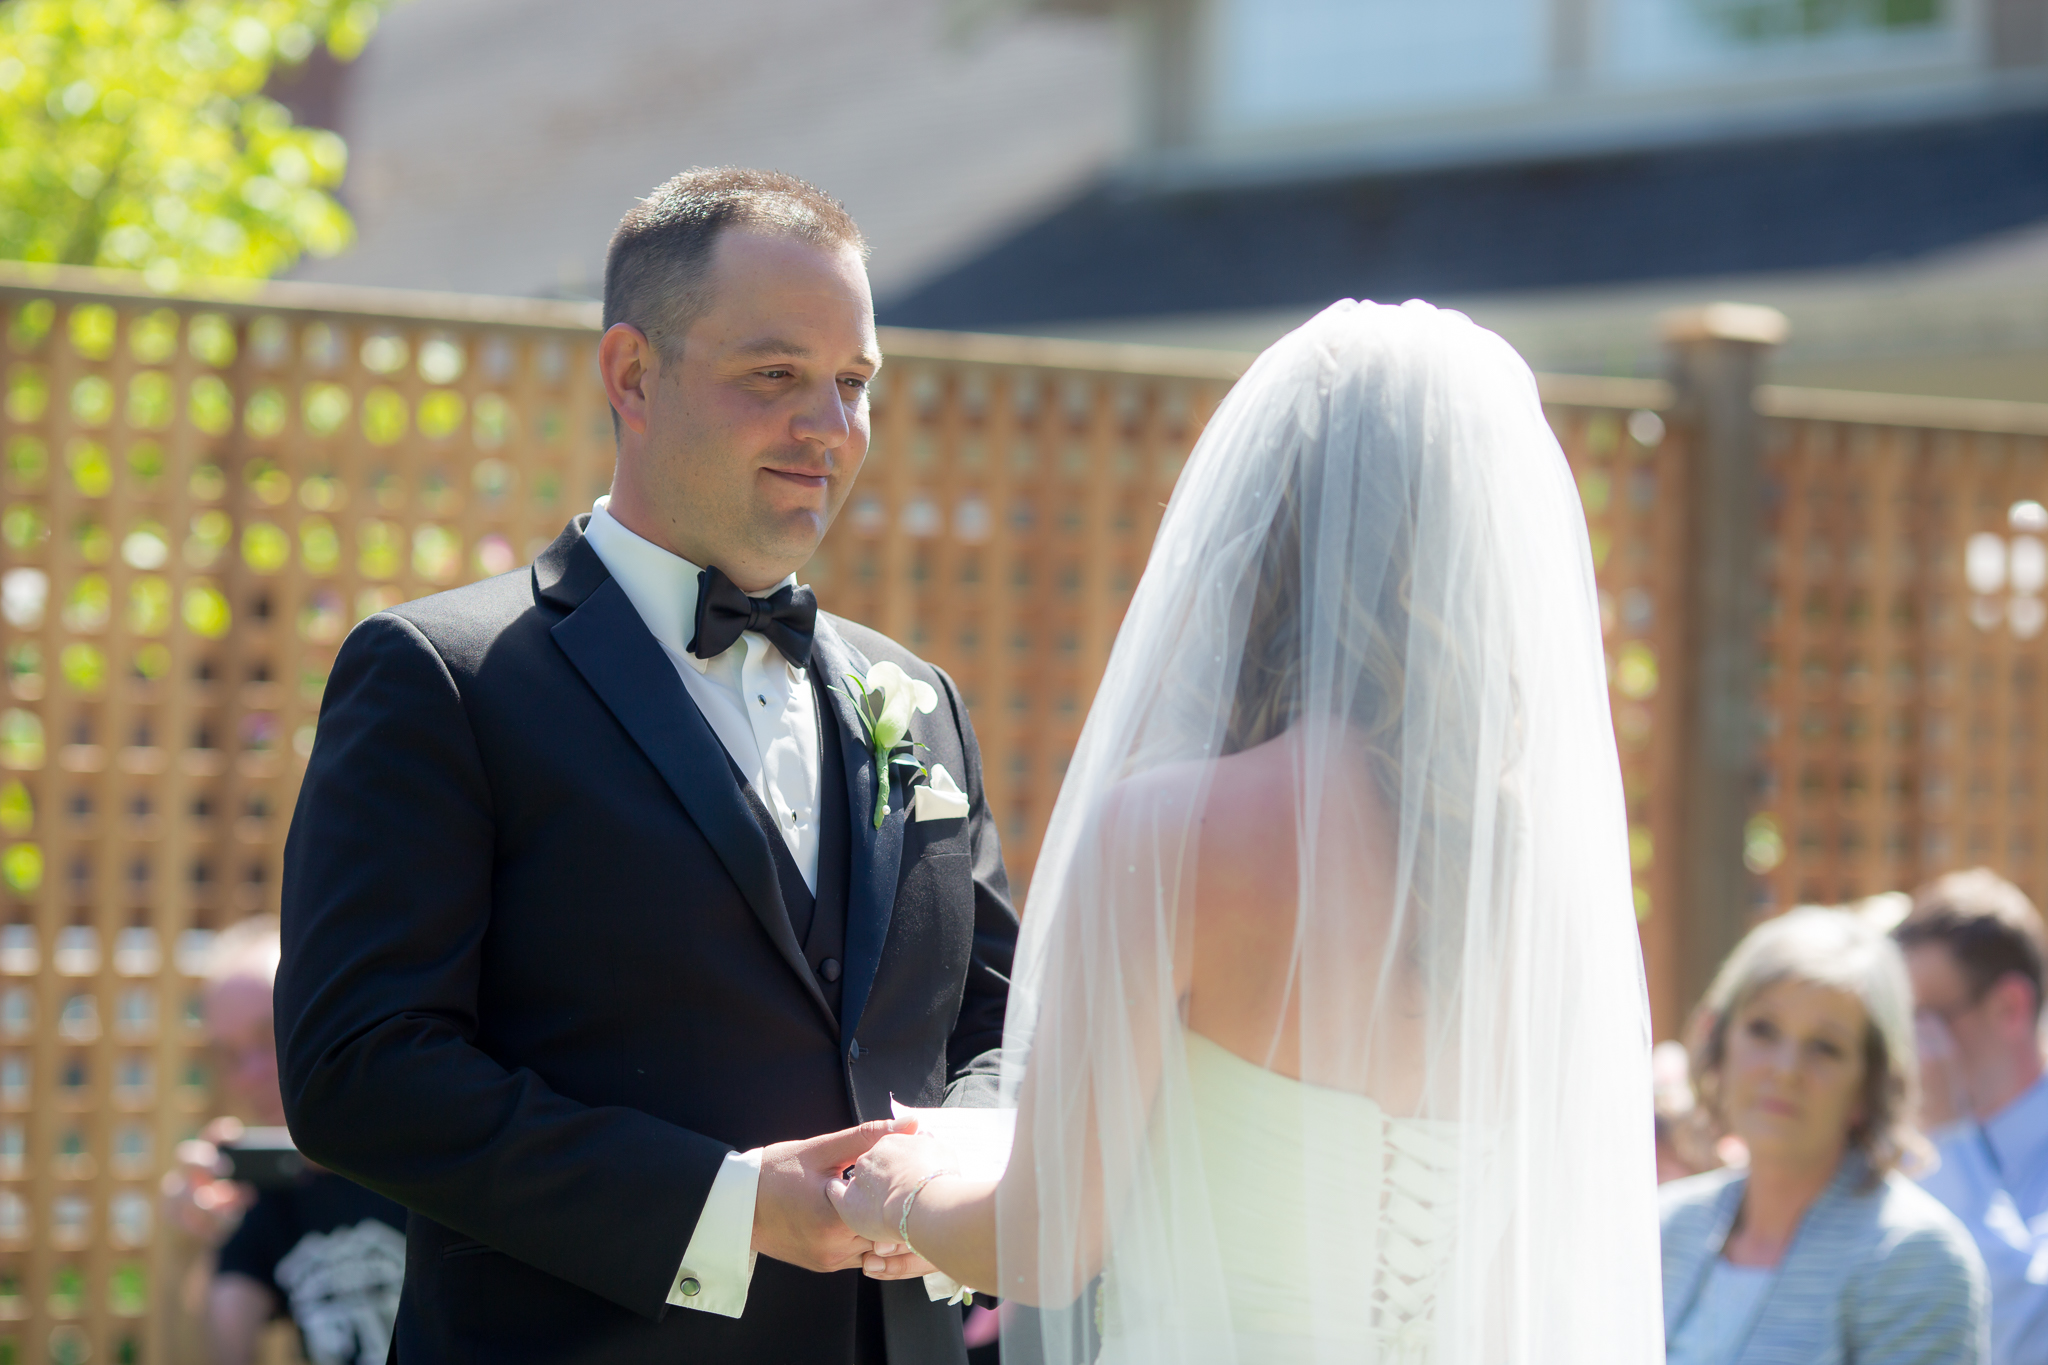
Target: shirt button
{"points": [[829, 969], [690, 1288]]}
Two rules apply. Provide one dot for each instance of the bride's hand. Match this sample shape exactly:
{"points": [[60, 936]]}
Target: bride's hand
{"points": [[870, 1197]]}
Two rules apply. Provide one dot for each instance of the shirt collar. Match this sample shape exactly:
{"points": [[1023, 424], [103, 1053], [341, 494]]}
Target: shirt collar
{"points": [[661, 586], [2018, 1133]]}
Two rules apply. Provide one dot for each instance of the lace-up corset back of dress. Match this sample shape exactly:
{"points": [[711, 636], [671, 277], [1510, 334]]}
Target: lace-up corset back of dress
{"points": [[1332, 1216]]}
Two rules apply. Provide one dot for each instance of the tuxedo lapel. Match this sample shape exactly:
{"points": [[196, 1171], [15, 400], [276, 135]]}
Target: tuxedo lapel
{"points": [[877, 853], [610, 646]]}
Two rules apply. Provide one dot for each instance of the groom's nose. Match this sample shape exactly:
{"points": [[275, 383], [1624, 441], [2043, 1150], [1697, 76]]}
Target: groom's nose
{"points": [[822, 417]]}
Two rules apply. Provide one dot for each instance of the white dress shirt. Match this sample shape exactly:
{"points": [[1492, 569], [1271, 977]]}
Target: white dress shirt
{"points": [[764, 712]]}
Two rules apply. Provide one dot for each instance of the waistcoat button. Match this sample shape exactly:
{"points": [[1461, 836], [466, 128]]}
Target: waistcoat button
{"points": [[829, 969]]}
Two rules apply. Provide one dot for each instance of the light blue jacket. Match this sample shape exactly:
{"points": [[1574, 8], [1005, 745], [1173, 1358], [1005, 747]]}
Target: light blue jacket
{"points": [[1876, 1274]]}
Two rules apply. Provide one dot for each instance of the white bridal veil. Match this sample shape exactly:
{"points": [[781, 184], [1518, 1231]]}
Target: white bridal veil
{"points": [[1426, 1136]]}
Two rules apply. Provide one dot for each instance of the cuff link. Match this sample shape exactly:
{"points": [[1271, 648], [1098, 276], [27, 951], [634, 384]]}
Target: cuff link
{"points": [[690, 1288]]}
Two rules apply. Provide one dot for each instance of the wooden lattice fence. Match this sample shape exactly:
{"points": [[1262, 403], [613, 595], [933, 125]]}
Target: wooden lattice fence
{"points": [[202, 494], [1902, 701]]}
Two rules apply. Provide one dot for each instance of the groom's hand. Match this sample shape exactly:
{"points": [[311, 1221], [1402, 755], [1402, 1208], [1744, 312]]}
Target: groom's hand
{"points": [[894, 1261], [794, 1220]]}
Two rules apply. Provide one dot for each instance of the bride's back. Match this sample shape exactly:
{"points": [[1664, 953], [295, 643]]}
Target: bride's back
{"points": [[1295, 1177], [1241, 988]]}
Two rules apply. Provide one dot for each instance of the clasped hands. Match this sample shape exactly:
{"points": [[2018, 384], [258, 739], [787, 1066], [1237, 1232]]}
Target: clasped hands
{"points": [[808, 1213]]}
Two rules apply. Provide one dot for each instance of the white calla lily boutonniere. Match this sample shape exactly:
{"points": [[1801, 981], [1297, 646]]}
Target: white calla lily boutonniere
{"points": [[885, 700]]}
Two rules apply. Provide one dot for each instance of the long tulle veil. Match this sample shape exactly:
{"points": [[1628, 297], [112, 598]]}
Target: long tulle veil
{"points": [[1375, 559]]}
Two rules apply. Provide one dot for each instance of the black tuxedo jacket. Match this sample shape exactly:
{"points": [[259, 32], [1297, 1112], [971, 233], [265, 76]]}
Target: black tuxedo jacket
{"points": [[538, 978]]}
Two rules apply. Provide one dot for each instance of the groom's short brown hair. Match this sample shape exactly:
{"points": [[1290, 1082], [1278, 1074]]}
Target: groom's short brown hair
{"points": [[654, 269]]}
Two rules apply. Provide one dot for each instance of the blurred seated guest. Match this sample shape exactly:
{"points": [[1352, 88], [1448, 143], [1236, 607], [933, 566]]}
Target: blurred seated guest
{"points": [[235, 1012], [1683, 1147], [307, 1241], [1818, 1251], [1973, 945]]}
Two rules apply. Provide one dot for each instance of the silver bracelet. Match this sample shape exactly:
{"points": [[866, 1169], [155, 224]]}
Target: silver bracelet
{"points": [[903, 1223]]}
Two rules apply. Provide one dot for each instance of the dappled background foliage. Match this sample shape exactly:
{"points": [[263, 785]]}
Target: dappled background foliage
{"points": [[137, 134]]}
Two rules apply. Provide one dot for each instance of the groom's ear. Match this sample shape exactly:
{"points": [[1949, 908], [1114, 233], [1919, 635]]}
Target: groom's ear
{"points": [[626, 359]]}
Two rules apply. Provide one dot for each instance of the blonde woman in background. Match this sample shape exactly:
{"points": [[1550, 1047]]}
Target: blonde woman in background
{"points": [[1819, 1251]]}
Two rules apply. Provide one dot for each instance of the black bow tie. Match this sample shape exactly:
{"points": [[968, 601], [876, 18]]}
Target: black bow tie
{"points": [[787, 618]]}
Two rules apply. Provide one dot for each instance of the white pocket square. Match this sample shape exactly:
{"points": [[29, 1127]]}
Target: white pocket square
{"points": [[938, 799]]}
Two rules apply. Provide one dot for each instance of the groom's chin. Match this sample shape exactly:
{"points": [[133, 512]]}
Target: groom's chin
{"points": [[794, 534]]}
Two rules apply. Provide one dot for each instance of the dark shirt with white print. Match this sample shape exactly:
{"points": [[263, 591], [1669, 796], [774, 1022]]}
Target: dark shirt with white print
{"points": [[334, 1253]]}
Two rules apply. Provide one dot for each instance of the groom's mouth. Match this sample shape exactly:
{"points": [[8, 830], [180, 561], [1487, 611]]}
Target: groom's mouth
{"points": [[799, 477]]}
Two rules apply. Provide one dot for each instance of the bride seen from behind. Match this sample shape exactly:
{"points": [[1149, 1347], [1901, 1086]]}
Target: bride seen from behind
{"points": [[1328, 1035]]}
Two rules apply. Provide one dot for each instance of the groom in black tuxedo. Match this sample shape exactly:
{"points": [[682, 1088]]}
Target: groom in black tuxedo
{"points": [[590, 930]]}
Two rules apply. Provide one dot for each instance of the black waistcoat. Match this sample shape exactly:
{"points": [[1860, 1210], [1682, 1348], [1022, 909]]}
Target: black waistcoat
{"points": [[819, 920]]}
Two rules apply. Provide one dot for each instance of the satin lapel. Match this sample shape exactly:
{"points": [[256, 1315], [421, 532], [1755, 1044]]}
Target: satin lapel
{"points": [[877, 853], [609, 644]]}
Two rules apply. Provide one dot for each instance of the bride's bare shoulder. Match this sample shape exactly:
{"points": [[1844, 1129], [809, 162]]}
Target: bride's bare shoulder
{"points": [[1250, 811], [1234, 798]]}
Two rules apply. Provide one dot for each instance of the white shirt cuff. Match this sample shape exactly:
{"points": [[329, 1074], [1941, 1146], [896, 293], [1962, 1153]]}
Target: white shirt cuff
{"points": [[718, 1265]]}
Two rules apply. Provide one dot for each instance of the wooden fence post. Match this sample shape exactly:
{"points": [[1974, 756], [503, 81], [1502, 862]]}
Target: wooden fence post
{"points": [[1717, 354]]}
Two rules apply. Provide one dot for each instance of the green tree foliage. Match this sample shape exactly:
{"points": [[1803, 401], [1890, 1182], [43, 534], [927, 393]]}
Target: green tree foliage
{"points": [[1774, 21], [135, 134]]}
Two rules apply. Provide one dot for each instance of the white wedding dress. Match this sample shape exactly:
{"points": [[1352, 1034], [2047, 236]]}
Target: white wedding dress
{"points": [[1388, 1227], [1351, 764]]}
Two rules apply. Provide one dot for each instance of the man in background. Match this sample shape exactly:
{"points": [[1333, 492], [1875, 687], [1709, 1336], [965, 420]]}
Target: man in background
{"points": [[322, 1247], [1974, 947]]}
